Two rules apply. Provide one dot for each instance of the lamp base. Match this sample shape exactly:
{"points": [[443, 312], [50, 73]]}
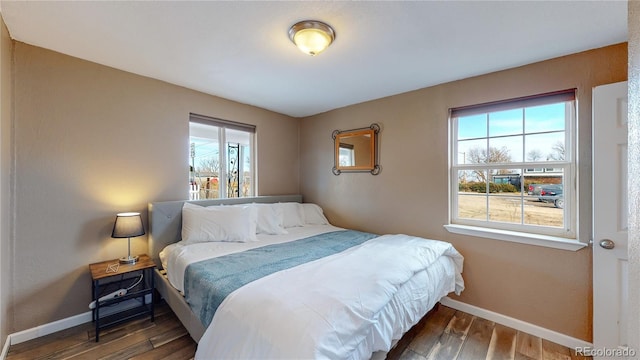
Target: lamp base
{"points": [[129, 260]]}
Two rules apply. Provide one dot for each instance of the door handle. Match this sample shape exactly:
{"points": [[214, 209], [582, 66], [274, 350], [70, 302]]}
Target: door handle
{"points": [[607, 244]]}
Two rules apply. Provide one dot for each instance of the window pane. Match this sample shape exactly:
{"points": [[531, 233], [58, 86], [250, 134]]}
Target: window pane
{"points": [[206, 169], [472, 201], [239, 163], [472, 181], [544, 118], [506, 181], [247, 180], [472, 207], [504, 208], [505, 149], [507, 122], [545, 147], [544, 202], [505, 200], [204, 161], [470, 127], [472, 152]]}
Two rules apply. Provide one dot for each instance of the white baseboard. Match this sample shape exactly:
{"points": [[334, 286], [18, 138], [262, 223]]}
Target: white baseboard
{"points": [[520, 325], [46, 329], [5, 348]]}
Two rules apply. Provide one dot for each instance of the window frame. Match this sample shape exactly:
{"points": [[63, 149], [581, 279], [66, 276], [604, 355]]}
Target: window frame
{"points": [[223, 126], [565, 237]]}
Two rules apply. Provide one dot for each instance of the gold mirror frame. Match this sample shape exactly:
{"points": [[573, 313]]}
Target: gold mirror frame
{"points": [[359, 150]]}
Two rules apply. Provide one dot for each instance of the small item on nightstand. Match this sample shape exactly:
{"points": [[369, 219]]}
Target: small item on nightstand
{"points": [[113, 268], [115, 294], [128, 225]]}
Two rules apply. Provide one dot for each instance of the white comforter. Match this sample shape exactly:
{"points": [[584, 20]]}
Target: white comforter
{"points": [[345, 306], [176, 257]]}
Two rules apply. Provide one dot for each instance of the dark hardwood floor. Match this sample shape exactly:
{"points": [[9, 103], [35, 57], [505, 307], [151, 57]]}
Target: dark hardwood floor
{"points": [[165, 338], [448, 335]]}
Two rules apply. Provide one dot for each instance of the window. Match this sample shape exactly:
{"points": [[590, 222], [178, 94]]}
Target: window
{"points": [[513, 165], [221, 158], [347, 156]]}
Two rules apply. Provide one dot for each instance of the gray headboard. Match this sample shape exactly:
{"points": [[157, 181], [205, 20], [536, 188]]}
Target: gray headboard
{"points": [[165, 218]]}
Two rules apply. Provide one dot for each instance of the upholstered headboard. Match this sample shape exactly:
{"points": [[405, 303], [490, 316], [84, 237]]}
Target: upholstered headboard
{"points": [[165, 218]]}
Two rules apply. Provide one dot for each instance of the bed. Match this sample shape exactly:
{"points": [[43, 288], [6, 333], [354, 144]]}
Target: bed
{"points": [[270, 277]]}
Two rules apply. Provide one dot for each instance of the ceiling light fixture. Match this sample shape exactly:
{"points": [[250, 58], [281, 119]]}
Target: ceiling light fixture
{"points": [[311, 36]]}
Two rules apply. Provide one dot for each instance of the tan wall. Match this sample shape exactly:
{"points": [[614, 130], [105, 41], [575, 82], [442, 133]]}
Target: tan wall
{"points": [[547, 287], [6, 51], [92, 141], [634, 174]]}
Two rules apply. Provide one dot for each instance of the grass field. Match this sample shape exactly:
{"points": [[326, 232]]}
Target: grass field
{"points": [[509, 208]]}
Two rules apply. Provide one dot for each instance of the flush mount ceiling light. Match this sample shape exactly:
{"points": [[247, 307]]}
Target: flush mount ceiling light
{"points": [[311, 36]]}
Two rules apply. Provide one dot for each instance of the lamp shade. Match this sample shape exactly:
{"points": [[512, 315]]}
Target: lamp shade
{"points": [[311, 37], [127, 225]]}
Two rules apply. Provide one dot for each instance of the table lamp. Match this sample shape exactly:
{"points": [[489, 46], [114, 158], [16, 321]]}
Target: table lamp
{"points": [[128, 225]]}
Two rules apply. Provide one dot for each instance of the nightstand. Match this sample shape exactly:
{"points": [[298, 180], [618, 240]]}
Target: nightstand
{"points": [[108, 277]]}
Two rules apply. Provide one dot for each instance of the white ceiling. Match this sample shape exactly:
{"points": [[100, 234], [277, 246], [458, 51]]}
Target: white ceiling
{"points": [[240, 50]]}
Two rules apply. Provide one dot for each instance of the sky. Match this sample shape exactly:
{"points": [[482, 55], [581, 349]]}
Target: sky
{"points": [[536, 128]]}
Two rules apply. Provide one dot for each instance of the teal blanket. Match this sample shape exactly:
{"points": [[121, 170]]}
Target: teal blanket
{"points": [[207, 283]]}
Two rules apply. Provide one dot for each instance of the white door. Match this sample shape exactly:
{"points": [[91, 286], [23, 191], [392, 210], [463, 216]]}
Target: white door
{"points": [[610, 267]]}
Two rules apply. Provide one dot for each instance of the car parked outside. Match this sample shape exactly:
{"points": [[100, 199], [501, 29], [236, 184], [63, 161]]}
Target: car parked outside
{"points": [[552, 193], [534, 189]]}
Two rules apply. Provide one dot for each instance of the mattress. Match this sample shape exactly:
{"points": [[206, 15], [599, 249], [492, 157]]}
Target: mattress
{"points": [[244, 328]]}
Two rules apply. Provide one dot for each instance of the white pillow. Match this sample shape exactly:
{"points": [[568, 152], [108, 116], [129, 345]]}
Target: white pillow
{"points": [[292, 214], [270, 219], [218, 223], [313, 214]]}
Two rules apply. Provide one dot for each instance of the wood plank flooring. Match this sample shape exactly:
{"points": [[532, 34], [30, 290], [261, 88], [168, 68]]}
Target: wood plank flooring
{"points": [[165, 338], [455, 335], [447, 334]]}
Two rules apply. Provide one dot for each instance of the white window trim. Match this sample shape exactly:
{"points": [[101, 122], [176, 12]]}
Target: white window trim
{"points": [[253, 165], [554, 242], [463, 227]]}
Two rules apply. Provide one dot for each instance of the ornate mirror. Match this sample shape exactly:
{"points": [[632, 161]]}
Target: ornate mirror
{"points": [[356, 150]]}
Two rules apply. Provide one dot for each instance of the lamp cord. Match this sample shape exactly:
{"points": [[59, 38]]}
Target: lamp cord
{"points": [[136, 283]]}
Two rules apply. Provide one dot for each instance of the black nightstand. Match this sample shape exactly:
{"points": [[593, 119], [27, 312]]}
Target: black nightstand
{"points": [[109, 277]]}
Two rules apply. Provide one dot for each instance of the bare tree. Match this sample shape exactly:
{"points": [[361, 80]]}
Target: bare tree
{"points": [[500, 155], [479, 155], [209, 165], [534, 155], [557, 151]]}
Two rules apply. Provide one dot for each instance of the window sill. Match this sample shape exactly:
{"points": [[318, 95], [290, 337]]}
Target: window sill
{"points": [[517, 237]]}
